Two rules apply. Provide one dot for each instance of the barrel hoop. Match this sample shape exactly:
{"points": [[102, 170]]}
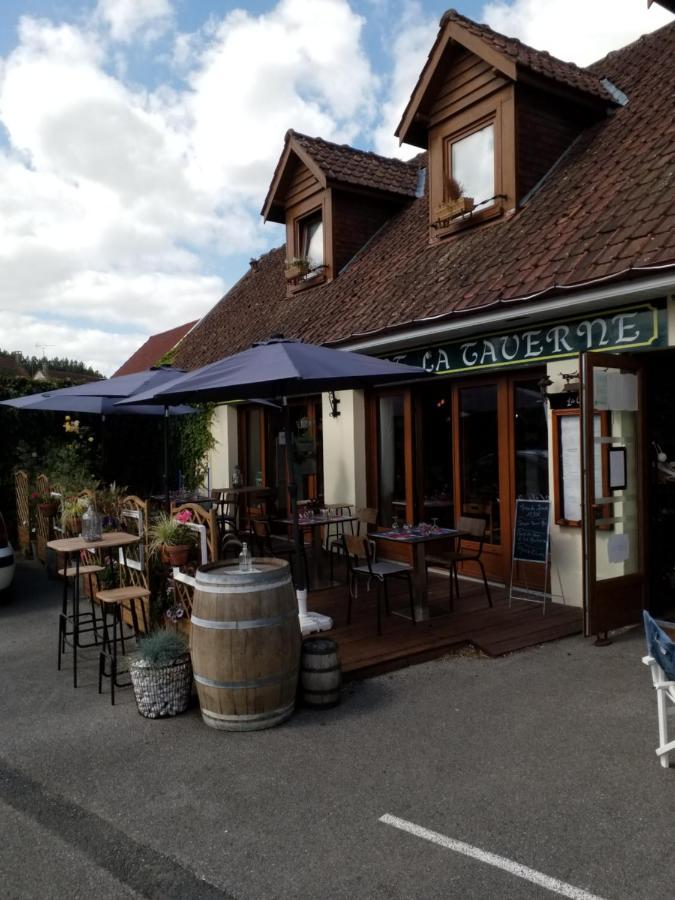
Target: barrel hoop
{"points": [[228, 588], [244, 624], [304, 668], [320, 694], [245, 685], [255, 717]]}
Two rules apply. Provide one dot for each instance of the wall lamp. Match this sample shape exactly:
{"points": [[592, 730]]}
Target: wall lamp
{"points": [[334, 404]]}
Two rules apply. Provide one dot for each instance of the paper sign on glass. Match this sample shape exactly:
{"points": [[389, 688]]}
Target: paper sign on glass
{"points": [[618, 548]]}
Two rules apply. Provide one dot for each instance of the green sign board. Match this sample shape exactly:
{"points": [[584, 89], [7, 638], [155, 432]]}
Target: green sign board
{"points": [[630, 328]]}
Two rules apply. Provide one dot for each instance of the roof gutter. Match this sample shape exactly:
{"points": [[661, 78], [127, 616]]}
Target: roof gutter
{"points": [[570, 302]]}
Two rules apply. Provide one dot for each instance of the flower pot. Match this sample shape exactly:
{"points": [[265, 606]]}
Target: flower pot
{"points": [[162, 690], [296, 271], [73, 526], [48, 509], [177, 554]]}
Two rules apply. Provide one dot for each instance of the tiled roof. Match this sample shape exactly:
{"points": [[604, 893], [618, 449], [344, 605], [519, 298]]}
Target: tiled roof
{"points": [[149, 353], [347, 165], [605, 212], [538, 61]]}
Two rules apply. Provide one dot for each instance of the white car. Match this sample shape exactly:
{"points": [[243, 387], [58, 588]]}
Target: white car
{"points": [[6, 560]]}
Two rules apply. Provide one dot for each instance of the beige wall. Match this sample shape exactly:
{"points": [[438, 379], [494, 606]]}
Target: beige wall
{"points": [[344, 450], [566, 541], [224, 456]]}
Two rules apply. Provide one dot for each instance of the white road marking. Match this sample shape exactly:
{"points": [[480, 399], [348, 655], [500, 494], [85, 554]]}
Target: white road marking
{"points": [[500, 862]]}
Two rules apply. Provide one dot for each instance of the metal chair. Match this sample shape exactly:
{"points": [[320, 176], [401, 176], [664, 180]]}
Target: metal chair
{"points": [[357, 548], [661, 662], [476, 532], [365, 516]]}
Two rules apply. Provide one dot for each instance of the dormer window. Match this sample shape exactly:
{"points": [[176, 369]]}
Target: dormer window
{"points": [[310, 239], [471, 165]]}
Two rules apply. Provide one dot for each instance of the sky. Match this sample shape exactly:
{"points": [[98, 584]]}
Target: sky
{"points": [[138, 139]]}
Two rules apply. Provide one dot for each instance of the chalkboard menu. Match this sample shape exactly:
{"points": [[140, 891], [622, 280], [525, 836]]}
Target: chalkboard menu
{"points": [[530, 535]]}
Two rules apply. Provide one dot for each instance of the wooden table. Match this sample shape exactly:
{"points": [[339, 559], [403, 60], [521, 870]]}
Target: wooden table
{"points": [[74, 546], [417, 540], [316, 523]]}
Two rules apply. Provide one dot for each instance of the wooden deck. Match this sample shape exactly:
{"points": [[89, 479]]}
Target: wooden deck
{"points": [[495, 631]]}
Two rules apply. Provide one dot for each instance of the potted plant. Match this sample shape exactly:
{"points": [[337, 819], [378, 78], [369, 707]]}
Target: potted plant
{"points": [[455, 203], [47, 505], [161, 674], [171, 539], [72, 509], [297, 267]]}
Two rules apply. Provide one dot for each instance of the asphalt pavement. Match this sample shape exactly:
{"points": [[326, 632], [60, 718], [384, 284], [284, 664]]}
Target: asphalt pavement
{"points": [[543, 759]]}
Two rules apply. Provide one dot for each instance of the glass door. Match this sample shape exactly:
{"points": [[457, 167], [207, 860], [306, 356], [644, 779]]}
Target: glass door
{"points": [[613, 500]]}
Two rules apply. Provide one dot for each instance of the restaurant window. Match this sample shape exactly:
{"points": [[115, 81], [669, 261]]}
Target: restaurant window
{"points": [[311, 239], [252, 444], [306, 423], [391, 459], [531, 441], [472, 165], [436, 472], [479, 455]]}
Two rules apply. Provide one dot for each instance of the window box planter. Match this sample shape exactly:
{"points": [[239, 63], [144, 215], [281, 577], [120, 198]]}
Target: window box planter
{"points": [[297, 268], [453, 208]]}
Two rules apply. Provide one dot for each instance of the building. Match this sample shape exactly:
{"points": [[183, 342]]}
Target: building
{"points": [[154, 349], [526, 257]]}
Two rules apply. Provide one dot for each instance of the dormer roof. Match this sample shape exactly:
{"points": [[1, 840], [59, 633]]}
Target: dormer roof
{"points": [[336, 165], [507, 55]]}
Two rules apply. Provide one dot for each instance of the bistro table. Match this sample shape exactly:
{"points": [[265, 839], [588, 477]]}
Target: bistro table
{"points": [[73, 547], [417, 538], [316, 523]]}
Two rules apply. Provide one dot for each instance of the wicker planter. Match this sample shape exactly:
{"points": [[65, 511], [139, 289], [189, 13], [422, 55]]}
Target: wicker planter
{"points": [[48, 509], [162, 690], [453, 208]]}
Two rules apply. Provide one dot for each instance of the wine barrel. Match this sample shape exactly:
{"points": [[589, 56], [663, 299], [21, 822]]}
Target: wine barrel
{"points": [[245, 644], [320, 673]]}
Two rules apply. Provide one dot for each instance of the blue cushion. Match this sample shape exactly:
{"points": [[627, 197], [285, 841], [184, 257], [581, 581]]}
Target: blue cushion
{"points": [[660, 646]]}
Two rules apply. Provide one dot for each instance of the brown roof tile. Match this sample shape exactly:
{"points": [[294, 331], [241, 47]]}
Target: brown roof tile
{"points": [[605, 210], [538, 61], [347, 165], [156, 346]]}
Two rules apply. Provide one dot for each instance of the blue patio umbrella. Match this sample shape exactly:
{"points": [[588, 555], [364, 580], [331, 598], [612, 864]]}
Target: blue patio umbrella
{"points": [[280, 367], [99, 398]]}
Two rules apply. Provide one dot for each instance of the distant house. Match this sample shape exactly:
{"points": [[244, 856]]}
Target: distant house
{"points": [[529, 243], [156, 347]]}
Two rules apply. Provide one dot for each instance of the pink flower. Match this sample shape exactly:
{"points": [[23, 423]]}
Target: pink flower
{"points": [[184, 516]]}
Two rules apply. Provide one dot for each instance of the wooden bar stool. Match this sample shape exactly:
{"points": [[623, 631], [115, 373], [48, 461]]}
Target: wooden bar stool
{"points": [[113, 602], [89, 618]]}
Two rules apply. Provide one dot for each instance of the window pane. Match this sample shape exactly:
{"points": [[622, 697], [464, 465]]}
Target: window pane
{"points": [[472, 164], [312, 240], [254, 449], [392, 459], [479, 451], [531, 440], [307, 451], [437, 469]]}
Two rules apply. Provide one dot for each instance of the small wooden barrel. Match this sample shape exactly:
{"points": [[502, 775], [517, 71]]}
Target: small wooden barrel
{"points": [[245, 644], [320, 673]]}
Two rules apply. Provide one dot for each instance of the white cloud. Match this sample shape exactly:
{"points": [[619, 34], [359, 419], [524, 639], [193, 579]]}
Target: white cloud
{"points": [[575, 30], [103, 350], [112, 196], [129, 18], [410, 46]]}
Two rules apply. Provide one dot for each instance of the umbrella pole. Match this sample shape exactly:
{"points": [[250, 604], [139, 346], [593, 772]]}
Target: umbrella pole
{"points": [[167, 499], [309, 621]]}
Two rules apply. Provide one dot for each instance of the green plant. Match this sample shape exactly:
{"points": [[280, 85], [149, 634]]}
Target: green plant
{"points": [[108, 502], [298, 264], [68, 467], [161, 648], [192, 438], [165, 531], [72, 509]]}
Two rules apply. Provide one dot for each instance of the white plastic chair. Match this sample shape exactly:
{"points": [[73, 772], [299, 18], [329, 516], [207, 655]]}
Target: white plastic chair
{"points": [[665, 693], [665, 702]]}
